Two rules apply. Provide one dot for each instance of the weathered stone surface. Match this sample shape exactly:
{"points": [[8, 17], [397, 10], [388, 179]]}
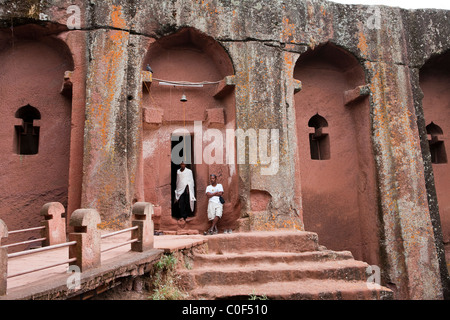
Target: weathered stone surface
{"points": [[87, 249], [142, 218], [3, 259], [215, 117], [278, 265], [153, 116], [397, 142], [263, 42], [55, 224], [98, 279]]}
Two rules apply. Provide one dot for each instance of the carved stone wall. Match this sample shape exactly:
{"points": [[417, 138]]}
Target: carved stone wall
{"points": [[109, 42]]}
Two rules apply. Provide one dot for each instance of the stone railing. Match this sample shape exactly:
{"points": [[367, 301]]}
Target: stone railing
{"points": [[84, 243]]}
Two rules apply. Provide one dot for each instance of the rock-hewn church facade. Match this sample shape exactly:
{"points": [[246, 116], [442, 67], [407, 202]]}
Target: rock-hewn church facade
{"points": [[314, 115]]}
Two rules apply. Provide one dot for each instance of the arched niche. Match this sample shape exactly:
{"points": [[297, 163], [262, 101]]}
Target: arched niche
{"points": [[339, 195], [32, 68], [192, 58], [435, 84]]}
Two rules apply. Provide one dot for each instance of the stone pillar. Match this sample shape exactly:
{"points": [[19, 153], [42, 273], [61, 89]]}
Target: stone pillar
{"points": [[77, 42], [142, 217], [262, 107], [106, 177], [54, 223], [88, 238], [113, 126], [412, 268], [3, 259]]}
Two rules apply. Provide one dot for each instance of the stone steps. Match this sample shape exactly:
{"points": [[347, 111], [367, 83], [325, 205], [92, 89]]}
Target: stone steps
{"points": [[256, 258], [276, 264], [263, 273], [306, 289], [275, 241]]}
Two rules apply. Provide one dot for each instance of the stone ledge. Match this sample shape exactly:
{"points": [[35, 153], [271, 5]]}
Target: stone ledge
{"points": [[66, 89], [147, 78], [354, 95], [184, 246], [225, 86]]}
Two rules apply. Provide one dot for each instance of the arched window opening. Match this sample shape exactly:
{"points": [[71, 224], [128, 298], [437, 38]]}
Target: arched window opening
{"points": [[319, 142], [437, 147], [27, 135]]}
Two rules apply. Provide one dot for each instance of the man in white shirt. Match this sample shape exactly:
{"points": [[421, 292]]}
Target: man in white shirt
{"points": [[184, 193], [215, 207]]}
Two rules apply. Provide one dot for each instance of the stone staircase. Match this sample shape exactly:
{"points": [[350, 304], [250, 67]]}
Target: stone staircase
{"points": [[277, 265]]}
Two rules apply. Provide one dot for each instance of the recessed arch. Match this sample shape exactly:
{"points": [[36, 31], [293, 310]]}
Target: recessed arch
{"points": [[191, 57], [434, 130], [33, 62], [339, 195], [28, 113], [317, 121]]}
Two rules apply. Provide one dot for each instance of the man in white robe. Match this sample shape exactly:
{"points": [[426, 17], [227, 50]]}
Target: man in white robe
{"points": [[184, 192]]}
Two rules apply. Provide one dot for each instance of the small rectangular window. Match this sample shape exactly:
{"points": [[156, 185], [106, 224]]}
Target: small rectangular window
{"points": [[437, 150], [319, 147], [27, 139]]}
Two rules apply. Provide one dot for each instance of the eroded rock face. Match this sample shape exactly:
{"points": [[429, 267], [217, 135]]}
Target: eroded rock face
{"points": [[117, 150]]}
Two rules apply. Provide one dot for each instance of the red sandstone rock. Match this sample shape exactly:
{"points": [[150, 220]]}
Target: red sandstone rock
{"points": [[215, 117], [277, 265], [32, 74], [379, 162], [87, 250], [142, 218], [187, 232], [55, 224], [341, 189], [153, 116], [259, 200]]}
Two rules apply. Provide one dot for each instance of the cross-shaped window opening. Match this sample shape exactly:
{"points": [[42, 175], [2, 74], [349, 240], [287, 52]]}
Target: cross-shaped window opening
{"points": [[27, 135], [437, 147], [319, 142]]}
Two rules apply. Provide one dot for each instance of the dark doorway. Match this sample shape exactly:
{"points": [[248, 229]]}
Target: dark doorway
{"points": [[182, 149]]}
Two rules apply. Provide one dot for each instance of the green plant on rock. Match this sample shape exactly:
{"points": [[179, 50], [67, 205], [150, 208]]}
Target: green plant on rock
{"points": [[166, 262], [165, 285], [254, 296]]}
